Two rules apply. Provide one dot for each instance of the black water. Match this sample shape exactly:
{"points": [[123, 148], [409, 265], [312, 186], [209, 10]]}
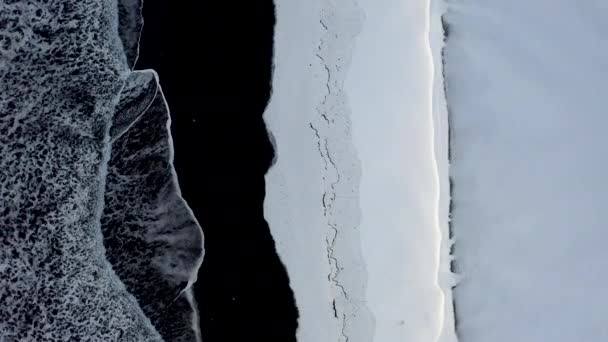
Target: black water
{"points": [[214, 62]]}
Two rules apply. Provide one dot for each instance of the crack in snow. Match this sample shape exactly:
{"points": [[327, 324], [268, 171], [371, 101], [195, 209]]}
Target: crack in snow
{"points": [[343, 331], [327, 199], [331, 128]]}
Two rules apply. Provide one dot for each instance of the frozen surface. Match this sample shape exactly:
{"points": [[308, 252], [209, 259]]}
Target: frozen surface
{"points": [[354, 200], [404, 219], [312, 191], [66, 96], [525, 87]]}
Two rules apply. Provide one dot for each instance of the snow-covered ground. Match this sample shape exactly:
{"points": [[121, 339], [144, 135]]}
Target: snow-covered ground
{"points": [[390, 89], [526, 91], [355, 201], [312, 190]]}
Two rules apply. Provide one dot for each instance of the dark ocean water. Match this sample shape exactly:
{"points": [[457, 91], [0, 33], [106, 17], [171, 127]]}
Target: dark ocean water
{"points": [[97, 244], [214, 63], [96, 241]]}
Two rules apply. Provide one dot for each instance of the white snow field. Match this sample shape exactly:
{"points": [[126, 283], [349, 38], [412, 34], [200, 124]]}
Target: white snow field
{"points": [[526, 84], [358, 198], [395, 120], [312, 190]]}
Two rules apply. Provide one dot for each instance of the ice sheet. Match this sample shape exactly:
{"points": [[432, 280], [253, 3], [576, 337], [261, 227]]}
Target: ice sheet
{"points": [[391, 88], [525, 84], [358, 197], [312, 189]]}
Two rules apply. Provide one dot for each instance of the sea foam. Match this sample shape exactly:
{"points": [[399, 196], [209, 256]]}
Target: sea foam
{"points": [[96, 242]]}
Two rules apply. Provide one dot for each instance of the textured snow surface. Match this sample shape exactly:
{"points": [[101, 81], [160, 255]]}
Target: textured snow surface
{"points": [[353, 200], [64, 80], [312, 189], [526, 89]]}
